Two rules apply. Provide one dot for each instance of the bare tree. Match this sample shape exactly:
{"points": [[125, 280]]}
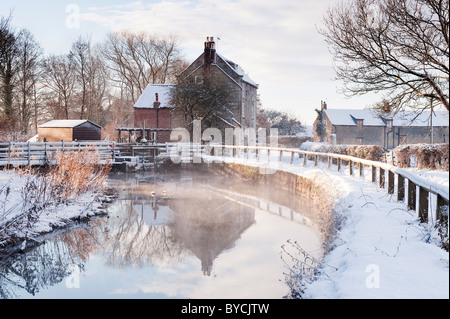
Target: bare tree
{"points": [[80, 55], [59, 81], [8, 51], [27, 74], [137, 59], [91, 79], [397, 47]]}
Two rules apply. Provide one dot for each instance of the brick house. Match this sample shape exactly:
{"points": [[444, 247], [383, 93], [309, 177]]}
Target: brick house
{"points": [[366, 127], [154, 115]]}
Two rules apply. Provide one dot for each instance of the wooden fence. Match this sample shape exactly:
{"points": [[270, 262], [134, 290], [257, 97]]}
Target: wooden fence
{"points": [[416, 191], [31, 153]]}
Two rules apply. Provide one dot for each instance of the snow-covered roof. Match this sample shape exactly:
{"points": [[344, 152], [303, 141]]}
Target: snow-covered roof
{"points": [[65, 123], [148, 97], [371, 118], [238, 70], [440, 118]]}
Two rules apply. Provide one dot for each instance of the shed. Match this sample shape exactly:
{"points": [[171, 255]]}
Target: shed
{"points": [[69, 130]]}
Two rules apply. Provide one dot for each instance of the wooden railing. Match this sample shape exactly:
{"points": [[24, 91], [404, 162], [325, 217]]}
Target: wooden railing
{"points": [[416, 191], [31, 153]]}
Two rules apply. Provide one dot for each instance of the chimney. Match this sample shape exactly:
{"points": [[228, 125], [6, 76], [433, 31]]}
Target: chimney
{"points": [[156, 104], [210, 51], [324, 105]]}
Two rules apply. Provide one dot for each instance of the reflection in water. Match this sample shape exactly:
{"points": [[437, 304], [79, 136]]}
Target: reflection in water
{"points": [[160, 225]]}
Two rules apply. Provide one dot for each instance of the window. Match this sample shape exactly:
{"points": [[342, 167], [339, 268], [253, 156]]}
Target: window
{"points": [[359, 124], [389, 123], [359, 140]]}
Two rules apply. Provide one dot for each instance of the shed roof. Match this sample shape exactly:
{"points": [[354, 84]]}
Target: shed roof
{"points": [[371, 118], [148, 96], [66, 123]]}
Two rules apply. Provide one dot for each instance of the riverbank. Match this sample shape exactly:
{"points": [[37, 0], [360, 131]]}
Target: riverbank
{"points": [[28, 210], [381, 250]]}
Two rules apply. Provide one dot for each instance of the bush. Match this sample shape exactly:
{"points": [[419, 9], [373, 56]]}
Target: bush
{"points": [[423, 156], [75, 174], [368, 152]]}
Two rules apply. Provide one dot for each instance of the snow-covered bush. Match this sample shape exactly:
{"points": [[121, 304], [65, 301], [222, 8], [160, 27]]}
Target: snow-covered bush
{"points": [[28, 194], [369, 152], [423, 156]]}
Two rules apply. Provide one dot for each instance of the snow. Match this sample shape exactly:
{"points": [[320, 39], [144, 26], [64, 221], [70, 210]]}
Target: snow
{"points": [[148, 97], [12, 202], [404, 118], [63, 123], [381, 251]]}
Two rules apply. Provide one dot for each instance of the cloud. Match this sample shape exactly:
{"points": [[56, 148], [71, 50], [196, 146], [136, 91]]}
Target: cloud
{"points": [[274, 41]]}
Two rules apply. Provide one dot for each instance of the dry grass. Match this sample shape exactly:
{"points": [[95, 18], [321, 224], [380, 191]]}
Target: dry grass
{"points": [[75, 174]]}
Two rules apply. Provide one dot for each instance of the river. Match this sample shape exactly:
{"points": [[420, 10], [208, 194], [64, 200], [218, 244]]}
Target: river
{"points": [[177, 234]]}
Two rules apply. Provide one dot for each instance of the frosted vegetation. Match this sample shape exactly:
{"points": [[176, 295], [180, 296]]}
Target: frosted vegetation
{"points": [[29, 198]]}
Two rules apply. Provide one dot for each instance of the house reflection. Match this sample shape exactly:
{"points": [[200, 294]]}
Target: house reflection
{"points": [[200, 220], [208, 224]]}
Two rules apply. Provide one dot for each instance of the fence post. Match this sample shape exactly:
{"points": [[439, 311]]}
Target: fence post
{"points": [[45, 152], [411, 195], [329, 161], [374, 173], [440, 214], [29, 155], [9, 152], [423, 205], [292, 157], [361, 169], [315, 159], [400, 188], [350, 167], [381, 178], [391, 178], [338, 162], [304, 159]]}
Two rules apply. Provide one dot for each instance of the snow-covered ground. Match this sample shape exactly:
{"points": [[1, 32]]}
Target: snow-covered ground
{"points": [[54, 215], [381, 250]]}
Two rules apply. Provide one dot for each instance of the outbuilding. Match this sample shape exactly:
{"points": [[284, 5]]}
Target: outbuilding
{"points": [[69, 130]]}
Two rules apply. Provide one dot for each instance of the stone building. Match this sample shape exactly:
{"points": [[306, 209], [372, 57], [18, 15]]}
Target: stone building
{"points": [[212, 65], [156, 117], [366, 127]]}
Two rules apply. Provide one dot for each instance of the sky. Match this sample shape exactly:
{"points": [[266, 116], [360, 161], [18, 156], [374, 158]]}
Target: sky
{"points": [[277, 43]]}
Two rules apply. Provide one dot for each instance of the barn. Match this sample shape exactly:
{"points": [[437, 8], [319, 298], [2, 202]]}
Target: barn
{"points": [[69, 130]]}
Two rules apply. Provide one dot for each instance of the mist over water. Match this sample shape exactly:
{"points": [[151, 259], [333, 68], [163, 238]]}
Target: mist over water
{"points": [[183, 234]]}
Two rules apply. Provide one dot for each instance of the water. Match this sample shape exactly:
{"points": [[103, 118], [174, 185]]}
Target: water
{"points": [[180, 235]]}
